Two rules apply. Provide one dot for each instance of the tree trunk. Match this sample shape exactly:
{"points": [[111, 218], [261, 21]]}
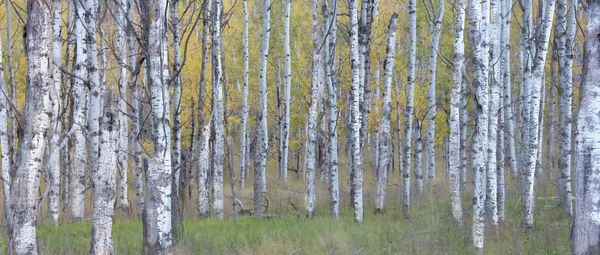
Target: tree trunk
{"points": [[217, 112], [564, 35], [204, 153], [122, 155], [157, 202], [244, 124], [287, 84], [332, 111], [80, 153], [386, 113], [34, 123], [454, 123], [585, 234], [430, 130], [478, 37], [12, 126], [418, 162], [4, 140], [104, 180], [260, 180], [364, 49], [408, 114]]}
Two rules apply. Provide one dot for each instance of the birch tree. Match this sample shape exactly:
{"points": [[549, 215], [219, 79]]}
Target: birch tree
{"points": [[287, 83], [34, 123], [157, 202], [478, 38], [585, 234], [564, 34], [217, 112], [533, 87], [12, 127], [386, 113], [80, 153], [204, 153], [330, 68], [356, 155], [364, 49], [408, 114], [4, 139], [104, 179], [430, 130], [243, 133], [313, 110], [122, 157], [506, 83], [260, 180], [454, 123]]}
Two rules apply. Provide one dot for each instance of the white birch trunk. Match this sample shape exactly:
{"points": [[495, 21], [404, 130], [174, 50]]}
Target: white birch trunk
{"points": [[313, 110], [408, 114], [454, 123], [386, 113], [585, 234], [332, 110], [418, 161], [506, 88], [104, 180], [80, 153], [4, 139], [157, 202], [534, 86], [478, 37], [202, 173], [260, 181], [356, 172], [122, 155], [430, 129], [494, 97], [176, 83], [34, 123], [287, 84], [564, 34], [217, 112], [244, 124]]}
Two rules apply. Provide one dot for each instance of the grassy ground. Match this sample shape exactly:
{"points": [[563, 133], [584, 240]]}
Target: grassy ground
{"points": [[429, 230]]}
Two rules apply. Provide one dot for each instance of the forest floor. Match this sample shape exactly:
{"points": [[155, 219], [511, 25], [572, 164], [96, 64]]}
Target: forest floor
{"points": [[429, 230]]}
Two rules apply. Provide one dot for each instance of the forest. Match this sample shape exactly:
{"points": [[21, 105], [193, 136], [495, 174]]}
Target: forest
{"points": [[300, 127]]}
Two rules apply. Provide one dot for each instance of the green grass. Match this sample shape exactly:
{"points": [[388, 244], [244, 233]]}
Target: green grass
{"points": [[429, 230]]}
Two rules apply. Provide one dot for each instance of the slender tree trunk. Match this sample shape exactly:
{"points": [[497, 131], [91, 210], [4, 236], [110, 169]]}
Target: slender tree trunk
{"points": [[104, 180], [4, 140], [464, 128], [332, 111], [507, 85], [204, 153], [34, 123], [430, 130], [364, 49], [12, 126], [418, 162], [585, 234], [217, 112], [122, 155], [243, 133], [80, 153], [408, 114], [157, 202], [260, 180], [455, 103], [564, 35], [313, 110], [534, 87], [67, 120], [287, 84], [478, 37]]}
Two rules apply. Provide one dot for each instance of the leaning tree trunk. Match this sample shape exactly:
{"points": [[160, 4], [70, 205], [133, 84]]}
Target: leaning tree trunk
{"points": [[534, 87], [104, 180], [34, 125], [157, 202], [478, 37], [244, 124], [356, 180], [330, 67], [217, 113], [585, 234], [454, 123], [386, 114], [260, 180], [122, 155], [80, 98], [313, 110], [564, 35], [408, 114], [430, 130]]}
